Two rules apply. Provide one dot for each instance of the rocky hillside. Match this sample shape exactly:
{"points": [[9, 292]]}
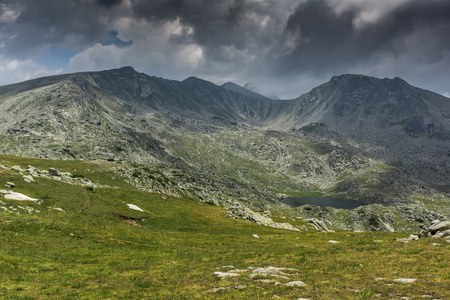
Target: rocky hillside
{"points": [[388, 119], [380, 141]]}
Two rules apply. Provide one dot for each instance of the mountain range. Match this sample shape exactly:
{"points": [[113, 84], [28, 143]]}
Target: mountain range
{"points": [[380, 141]]}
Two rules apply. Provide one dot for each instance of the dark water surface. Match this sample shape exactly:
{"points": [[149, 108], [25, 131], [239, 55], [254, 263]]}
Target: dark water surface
{"points": [[323, 201]]}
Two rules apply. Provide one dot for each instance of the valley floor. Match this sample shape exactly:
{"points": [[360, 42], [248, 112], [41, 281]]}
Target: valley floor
{"points": [[85, 242]]}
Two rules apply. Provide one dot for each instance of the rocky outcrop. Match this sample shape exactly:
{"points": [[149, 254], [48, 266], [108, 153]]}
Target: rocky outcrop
{"points": [[317, 224], [240, 211], [438, 229]]}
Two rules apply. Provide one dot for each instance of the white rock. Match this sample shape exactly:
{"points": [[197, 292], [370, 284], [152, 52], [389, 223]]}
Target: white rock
{"points": [[10, 184], [29, 177], [295, 283], [333, 242], [225, 274], [227, 267], [441, 226], [255, 236], [21, 197], [405, 280], [413, 237], [59, 209], [134, 207]]}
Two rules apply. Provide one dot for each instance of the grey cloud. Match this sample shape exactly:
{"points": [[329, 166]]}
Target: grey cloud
{"points": [[264, 41], [109, 3], [217, 23], [67, 24], [323, 40]]}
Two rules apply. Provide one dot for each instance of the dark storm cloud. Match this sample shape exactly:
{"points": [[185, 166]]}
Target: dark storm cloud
{"points": [[319, 38], [66, 24], [276, 43], [232, 23], [109, 3]]}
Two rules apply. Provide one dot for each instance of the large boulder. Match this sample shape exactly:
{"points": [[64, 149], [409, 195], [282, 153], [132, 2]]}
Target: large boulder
{"points": [[10, 195], [438, 229], [440, 226]]}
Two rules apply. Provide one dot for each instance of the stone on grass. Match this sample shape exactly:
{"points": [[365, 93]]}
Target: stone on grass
{"points": [[21, 197], [226, 267], [66, 178], [134, 207], [441, 226], [413, 237], [333, 242], [438, 229], [28, 177], [10, 184], [255, 236], [295, 283], [225, 274], [32, 169], [59, 209], [405, 280]]}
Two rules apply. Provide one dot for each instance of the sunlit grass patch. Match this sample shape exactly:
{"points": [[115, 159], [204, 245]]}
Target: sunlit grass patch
{"points": [[88, 252]]}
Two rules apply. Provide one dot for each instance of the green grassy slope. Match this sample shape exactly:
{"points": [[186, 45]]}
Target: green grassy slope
{"points": [[100, 249]]}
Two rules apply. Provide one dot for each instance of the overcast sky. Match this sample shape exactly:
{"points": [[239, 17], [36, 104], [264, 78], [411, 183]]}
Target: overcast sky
{"points": [[283, 47]]}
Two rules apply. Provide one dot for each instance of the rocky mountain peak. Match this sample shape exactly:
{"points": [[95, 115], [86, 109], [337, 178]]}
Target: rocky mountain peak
{"points": [[242, 90]]}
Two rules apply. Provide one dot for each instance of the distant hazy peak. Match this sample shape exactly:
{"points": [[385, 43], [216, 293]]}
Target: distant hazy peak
{"points": [[242, 90]]}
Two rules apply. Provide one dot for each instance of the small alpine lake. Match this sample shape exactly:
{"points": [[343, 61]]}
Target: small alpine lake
{"points": [[323, 201]]}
